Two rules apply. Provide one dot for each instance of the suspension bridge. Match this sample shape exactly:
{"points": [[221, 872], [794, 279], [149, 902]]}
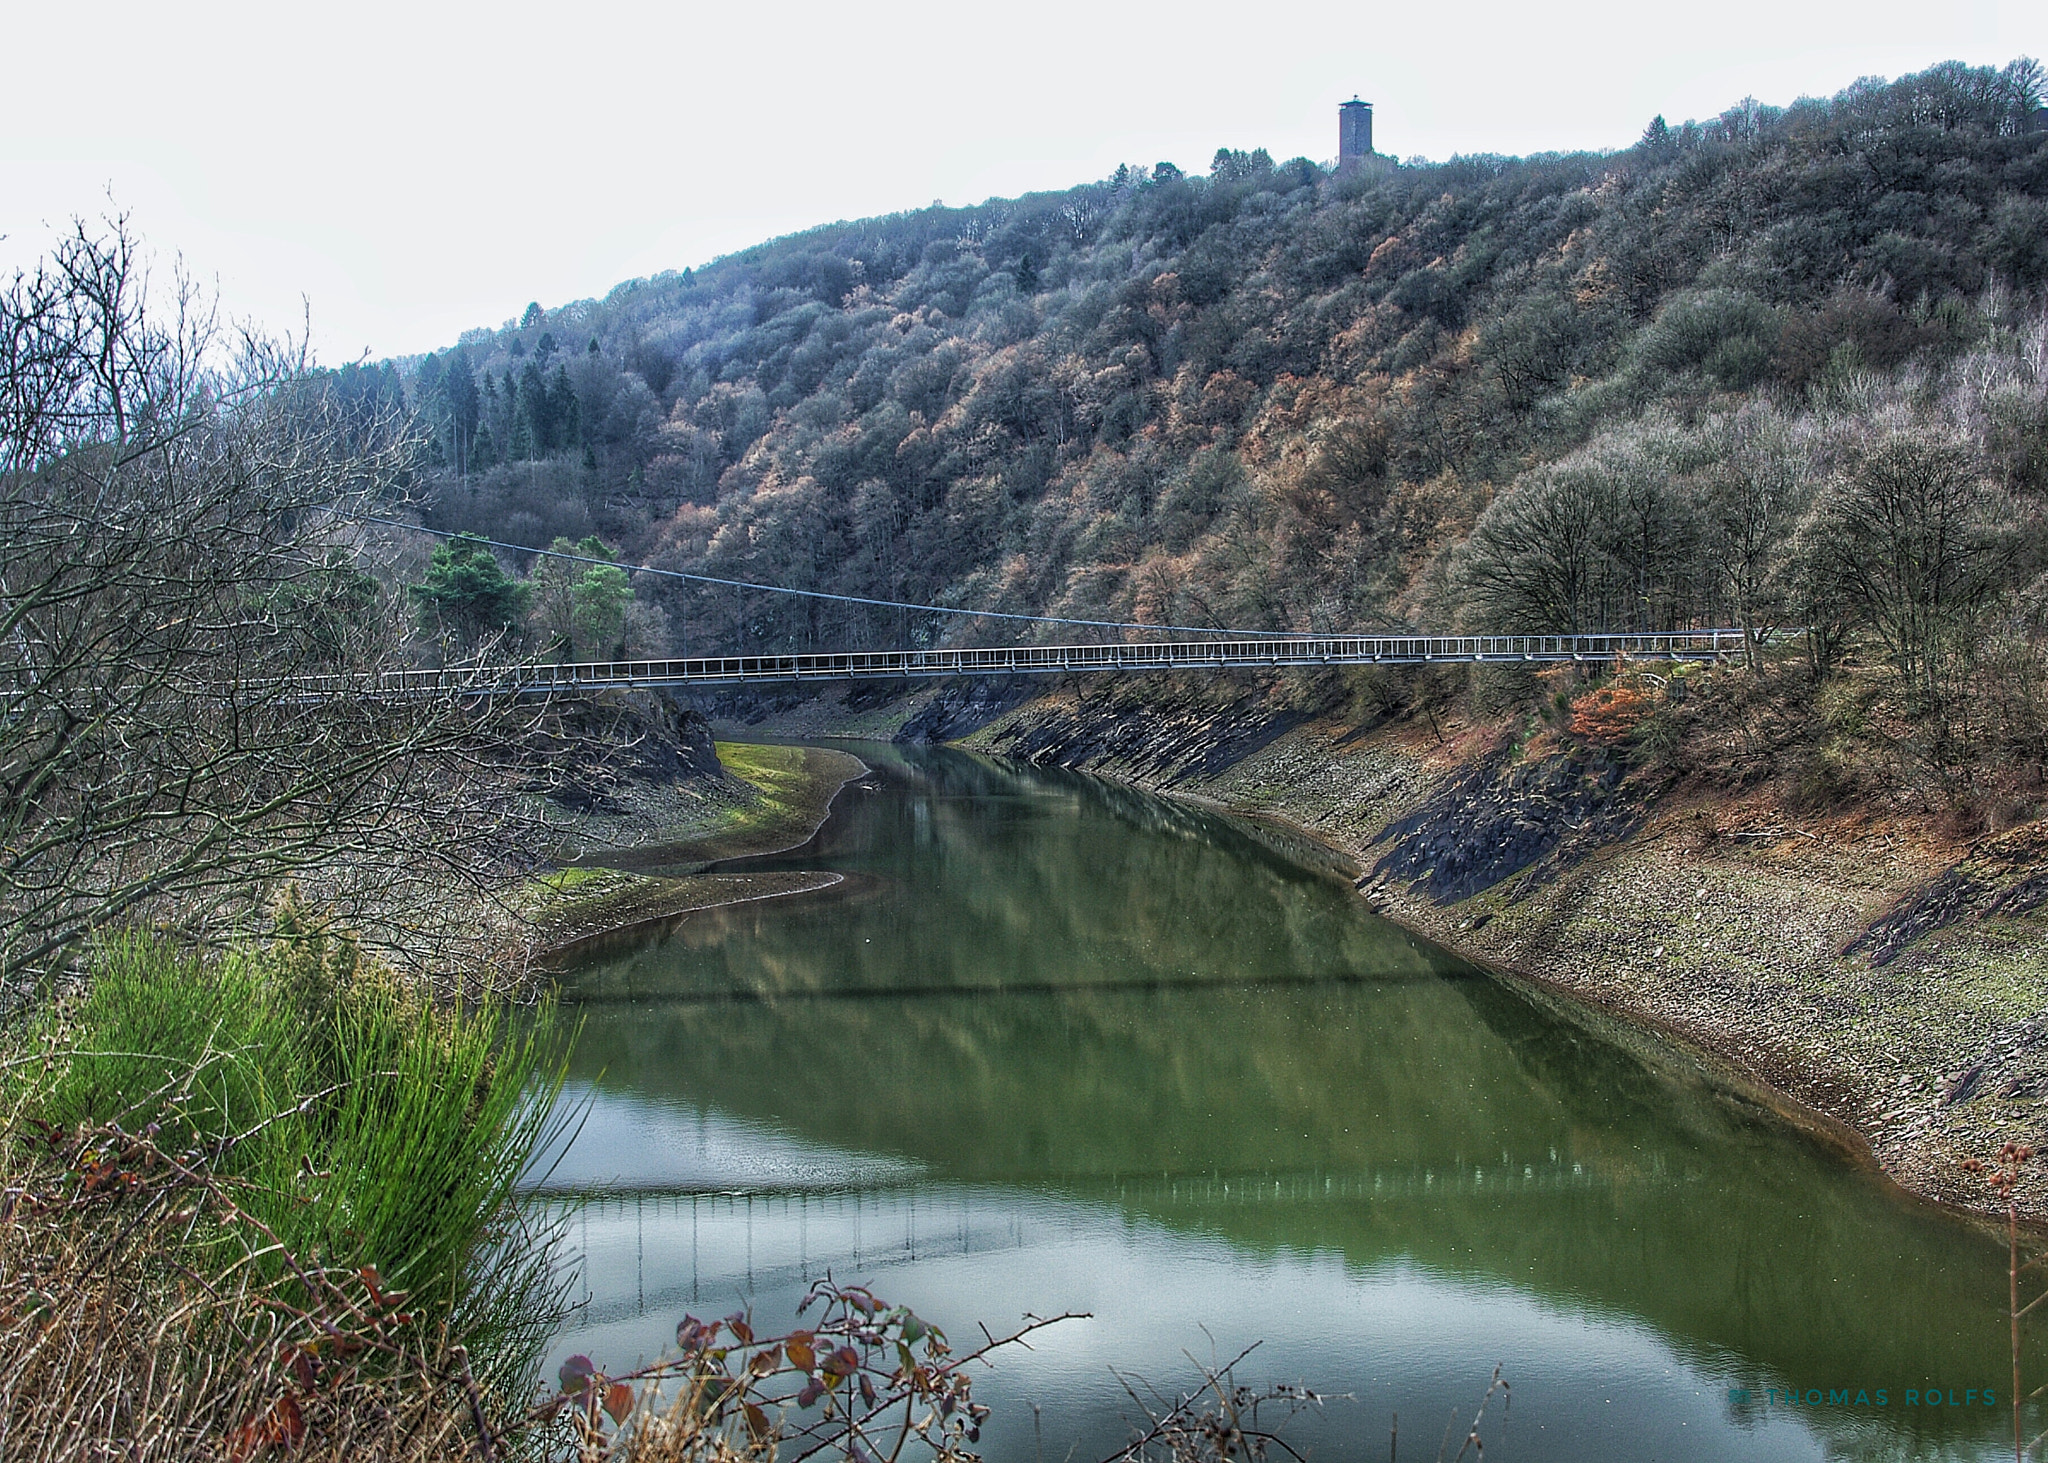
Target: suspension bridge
{"points": [[1280, 652], [1217, 649]]}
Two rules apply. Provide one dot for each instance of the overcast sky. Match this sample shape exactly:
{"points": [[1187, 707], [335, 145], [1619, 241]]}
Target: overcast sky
{"points": [[413, 169]]}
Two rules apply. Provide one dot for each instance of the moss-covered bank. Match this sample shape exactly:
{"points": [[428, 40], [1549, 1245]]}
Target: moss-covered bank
{"points": [[773, 798]]}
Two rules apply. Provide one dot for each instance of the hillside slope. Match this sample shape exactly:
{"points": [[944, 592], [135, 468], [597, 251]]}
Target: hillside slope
{"points": [[1267, 397], [1786, 367]]}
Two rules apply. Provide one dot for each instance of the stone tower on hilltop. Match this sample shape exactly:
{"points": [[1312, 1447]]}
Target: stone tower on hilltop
{"points": [[1354, 134]]}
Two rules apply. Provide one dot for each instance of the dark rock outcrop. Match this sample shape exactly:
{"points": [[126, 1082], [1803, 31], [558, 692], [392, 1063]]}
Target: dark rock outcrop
{"points": [[2007, 875], [585, 749], [1495, 821], [752, 705], [1927, 909], [2014, 1064], [962, 707], [1160, 736], [957, 708]]}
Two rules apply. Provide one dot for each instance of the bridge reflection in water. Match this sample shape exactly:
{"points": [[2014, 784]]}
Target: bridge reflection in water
{"points": [[711, 1248], [1141, 1254]]}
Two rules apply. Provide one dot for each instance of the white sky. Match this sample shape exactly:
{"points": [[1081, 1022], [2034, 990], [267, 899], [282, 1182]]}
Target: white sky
{"points": [[413, 169]]}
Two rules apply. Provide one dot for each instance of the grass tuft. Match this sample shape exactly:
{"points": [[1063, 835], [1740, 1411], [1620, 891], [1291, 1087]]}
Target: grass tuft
{"points": [[337, 1153]]}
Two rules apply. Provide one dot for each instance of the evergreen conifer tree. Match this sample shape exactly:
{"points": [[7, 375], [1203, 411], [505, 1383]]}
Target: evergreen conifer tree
{"points": [[564, 412], [458, 391], [534, 412], [467, 591]]}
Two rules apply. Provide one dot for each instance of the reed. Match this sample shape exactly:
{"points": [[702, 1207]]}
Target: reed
{"points": [[302, 1174]]}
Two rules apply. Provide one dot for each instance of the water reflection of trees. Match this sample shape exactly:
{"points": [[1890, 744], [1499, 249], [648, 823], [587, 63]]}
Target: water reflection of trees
{"points": [[1194, 1030], [1395, 1123]]}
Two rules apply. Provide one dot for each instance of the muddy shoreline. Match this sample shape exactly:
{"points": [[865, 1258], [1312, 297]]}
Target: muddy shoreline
{"points": [[648, 878]]}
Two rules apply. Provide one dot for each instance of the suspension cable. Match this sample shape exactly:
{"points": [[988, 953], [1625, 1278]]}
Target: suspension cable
{"points": [[887, 604]]}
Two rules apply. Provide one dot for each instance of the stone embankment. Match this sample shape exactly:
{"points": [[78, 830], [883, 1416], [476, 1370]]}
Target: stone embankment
{"points": [[1892, 983]]}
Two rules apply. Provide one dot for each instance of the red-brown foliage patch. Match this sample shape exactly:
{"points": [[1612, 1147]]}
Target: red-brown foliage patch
{"points": [[1610, 713]]}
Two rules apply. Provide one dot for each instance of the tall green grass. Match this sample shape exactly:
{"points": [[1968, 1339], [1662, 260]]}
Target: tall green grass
{"points": [[366, 1125]]}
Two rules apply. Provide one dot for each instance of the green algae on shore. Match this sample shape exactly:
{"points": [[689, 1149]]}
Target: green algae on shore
{"points": [[787, 791]]}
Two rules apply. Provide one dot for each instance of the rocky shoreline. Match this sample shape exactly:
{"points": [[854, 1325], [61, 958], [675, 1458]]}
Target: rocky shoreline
{"points": [[1888, 984], [647, 854]]}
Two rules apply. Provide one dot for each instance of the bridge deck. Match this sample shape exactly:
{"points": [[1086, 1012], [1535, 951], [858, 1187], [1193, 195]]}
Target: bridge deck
{"points": [[1279, 652]]}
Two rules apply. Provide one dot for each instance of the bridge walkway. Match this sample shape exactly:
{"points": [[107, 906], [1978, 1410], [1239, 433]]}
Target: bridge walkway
{"points": [[1279, 652]]}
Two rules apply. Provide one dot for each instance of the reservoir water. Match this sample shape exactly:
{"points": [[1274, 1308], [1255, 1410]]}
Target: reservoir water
{"points": [[1051, 1044]]}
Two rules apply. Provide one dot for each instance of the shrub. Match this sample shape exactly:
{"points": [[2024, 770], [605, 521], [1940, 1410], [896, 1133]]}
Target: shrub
{"points": [[357, 1121], [1727, 335], [1821, 780], [1657, 738], [1610, 713]]}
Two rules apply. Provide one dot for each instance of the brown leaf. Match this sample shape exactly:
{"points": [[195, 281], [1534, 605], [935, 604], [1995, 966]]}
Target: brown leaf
{"points": [[618, 1401], [576, 1374], [243, 1441], [842, 1363], [288, 1423], [282, 1423]]}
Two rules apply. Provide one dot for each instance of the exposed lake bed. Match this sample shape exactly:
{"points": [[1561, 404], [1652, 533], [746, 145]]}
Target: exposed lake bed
{"points": [[1055, 1044]]}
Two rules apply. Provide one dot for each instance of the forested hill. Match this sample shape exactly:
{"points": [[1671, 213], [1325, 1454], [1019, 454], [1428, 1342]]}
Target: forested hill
{"points": [[1587, 390]]}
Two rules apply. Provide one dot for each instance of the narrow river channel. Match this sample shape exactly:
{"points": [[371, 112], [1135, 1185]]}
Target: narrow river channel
{"points": [[1054, 1045]]}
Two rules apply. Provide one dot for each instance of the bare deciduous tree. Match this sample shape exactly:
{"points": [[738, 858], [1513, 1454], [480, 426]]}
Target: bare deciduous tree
{"points": [[175, 506], [1754, 492], [1919, 542]]}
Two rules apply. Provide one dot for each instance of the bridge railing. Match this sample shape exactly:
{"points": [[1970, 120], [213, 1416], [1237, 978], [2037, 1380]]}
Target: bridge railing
{"points": [[1278, 651]]}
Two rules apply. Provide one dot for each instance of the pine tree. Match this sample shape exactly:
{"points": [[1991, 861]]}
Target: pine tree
{"points": [[467, 591], [565, 424], [535, 416], [519, 437], [458, 391], [599, 598], [1657, 143], [497, 411]]}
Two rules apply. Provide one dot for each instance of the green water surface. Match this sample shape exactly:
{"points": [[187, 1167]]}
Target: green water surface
{"points": [[1053, 1044]]}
